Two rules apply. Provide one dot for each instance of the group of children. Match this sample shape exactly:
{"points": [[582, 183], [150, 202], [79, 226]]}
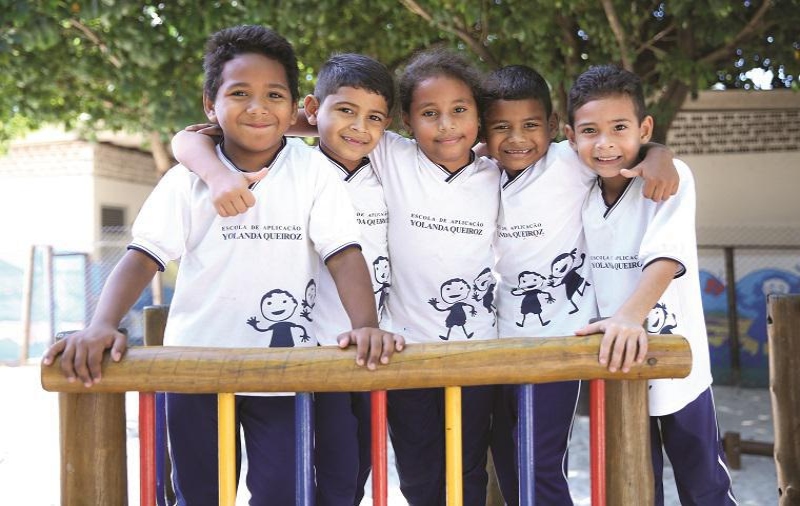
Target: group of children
{"points": [[442, 243]]}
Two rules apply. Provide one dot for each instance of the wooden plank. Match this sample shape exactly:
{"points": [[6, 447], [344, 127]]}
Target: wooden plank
{"points": [[328, 369]]}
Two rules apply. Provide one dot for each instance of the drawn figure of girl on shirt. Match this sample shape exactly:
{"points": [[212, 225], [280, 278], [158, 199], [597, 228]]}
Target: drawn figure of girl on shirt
{"points": [[454, 292], [383, 277], [278, 306], [660, 320], [483, 291], [529, 286], [565, 272], [310, 300]]}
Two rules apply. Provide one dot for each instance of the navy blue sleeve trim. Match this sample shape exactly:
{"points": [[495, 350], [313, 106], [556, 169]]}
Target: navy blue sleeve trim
{"points": [[154, 258], [336, 252], [680, 271]]}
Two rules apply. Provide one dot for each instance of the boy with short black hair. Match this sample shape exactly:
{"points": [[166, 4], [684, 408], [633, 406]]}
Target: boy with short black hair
{"points": [[644, 261], [544, 285], [240, 278]]}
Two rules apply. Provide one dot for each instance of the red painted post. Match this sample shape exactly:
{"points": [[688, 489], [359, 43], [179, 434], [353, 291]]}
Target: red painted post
{"points": [[597, 441], [147, 449], [380, 488]]}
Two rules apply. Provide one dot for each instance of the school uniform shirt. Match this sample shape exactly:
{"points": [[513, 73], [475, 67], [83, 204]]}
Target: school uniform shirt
{"points": [[622, 239], [441, 229], [545, 288], [366, 194], [246, 280]]}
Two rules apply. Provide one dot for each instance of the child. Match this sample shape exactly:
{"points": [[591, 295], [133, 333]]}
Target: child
{"points": [[545, 287], [443, 204], [351, 108], [259, 263], [643, 254]]}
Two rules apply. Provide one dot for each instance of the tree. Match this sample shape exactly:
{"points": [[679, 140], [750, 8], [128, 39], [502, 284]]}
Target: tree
{"points": [[136, 66]]}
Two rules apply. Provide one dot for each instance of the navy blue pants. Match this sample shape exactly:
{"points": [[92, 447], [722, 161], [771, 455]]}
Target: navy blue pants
{"points": [[268, 426], [341, 447], [554, 413], [690, 438], [416, 427]]}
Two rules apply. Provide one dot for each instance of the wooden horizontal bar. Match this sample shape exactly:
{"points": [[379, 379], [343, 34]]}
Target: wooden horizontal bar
{"points": [[330, 369]]}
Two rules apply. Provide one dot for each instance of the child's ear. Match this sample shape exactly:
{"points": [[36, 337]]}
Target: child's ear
{"points": [[552, 125], [570, 133], [406, 123], [646, 129], [208, 107], [311, 108]]}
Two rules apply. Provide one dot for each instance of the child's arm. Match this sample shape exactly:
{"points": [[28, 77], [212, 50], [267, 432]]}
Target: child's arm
{"points": [[624, 337], [660, 177], [83, 350], [350, 273], [229, 190]]}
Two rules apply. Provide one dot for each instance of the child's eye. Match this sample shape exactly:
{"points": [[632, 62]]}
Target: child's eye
{"points": [[620, 127], [346, 110], [375, 117], [500, 127], [531, 125], [460, 109], [238, 93], [588, 131], [275, 95], [429, 114]]}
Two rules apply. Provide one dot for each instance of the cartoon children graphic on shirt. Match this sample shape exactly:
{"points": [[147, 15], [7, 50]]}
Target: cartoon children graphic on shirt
{"points": [[483, 291], [660, 320], [383, 277], [565, 272], [309, 301], [529, 286], [278, 306], [454, 292]]}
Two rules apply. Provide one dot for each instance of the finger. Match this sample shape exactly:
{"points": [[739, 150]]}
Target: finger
{"points": [[375, 350], [674, 188], [94, 360], [197, 127], [221, 210], [399, 342], [344, 340], [256, 176], [592, 328], [51, 353], [362, 349], [643, 346], [617, 354], [118, 346], [68, 361], [605, 348], [239, 204], [631, 173], [629, 357], [81, 370], [388, 347], [248, 198]]}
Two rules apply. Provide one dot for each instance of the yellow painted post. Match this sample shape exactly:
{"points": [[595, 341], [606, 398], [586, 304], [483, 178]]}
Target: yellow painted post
{"points": [[227, 449], [452, 434]]}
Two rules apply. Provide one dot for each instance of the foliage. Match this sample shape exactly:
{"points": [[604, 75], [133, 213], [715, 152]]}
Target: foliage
{"points": [[136, 65]]}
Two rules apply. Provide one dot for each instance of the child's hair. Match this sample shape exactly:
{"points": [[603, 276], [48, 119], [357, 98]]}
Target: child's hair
{"points": [[228, 43], [356, 71], [436, 63], [601, 81], [517, 82]]}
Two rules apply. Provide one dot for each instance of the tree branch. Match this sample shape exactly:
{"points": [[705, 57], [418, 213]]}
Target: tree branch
{"points": [[96, 41], [743, 34], [650, 44], [619, 34]]}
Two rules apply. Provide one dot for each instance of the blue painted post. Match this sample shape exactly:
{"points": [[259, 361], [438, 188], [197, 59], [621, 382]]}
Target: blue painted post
{"points": [[161, 450], [527, 473], [304, 449]]}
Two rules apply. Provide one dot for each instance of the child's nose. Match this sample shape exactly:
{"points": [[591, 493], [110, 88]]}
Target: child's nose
{"points": [[258, 106]]}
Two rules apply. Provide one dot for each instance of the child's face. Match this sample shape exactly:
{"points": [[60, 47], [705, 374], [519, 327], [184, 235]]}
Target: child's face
{"points": [[518, 133], [350, 121], [607, 134], [454, 291], [254, 107], [278, 307], [444, 120]]}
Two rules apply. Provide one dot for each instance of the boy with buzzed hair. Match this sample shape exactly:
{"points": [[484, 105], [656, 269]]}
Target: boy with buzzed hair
{"points": [[349, 110], [544, 287], [240, 278], [644, 256]]}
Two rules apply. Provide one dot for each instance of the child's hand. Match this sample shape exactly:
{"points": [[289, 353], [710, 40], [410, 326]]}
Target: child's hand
{"points": [[660, 176], [372, 345], [230, 191], [82, 352], [210, 129], [624, 340]]}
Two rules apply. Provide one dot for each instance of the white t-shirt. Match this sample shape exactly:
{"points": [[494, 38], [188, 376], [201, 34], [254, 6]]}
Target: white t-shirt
{"points": [[366, 195], [441, 229], [622, 240], [244, 281], [545, 288]]}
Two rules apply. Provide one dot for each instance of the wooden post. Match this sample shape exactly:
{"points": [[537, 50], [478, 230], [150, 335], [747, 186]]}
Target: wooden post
{"points": [[629, 475], [50, 292], [783, 332], [27, 303], [93, 458]]}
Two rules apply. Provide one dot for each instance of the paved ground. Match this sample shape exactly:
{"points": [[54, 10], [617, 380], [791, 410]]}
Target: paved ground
{"points": [[29, 448]]}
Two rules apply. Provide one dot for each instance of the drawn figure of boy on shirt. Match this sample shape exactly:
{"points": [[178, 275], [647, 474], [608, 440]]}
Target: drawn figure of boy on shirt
{"points": [[278, 306], [565, 272], [454, 292], [310, 300], [483, 291], [529, 286], [383, 277], [658, 320]]}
